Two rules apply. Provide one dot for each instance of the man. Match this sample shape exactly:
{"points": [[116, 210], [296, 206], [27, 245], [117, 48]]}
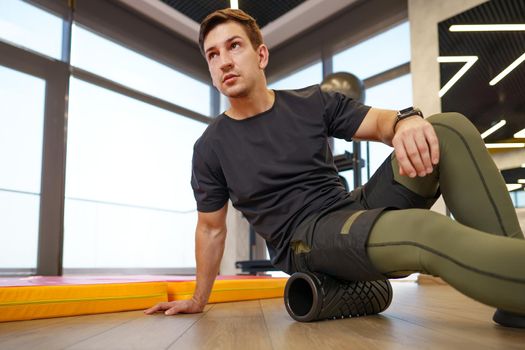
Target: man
{"points": [[269, 154]]}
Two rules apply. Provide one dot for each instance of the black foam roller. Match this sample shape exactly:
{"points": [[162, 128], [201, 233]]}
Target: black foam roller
{"points": [[311, 297]]}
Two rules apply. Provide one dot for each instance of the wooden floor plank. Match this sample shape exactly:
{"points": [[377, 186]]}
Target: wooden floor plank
{"points": [[370, 332], [7, 329], [142, 332], [447, 311], [58, 335], [237, 325]]}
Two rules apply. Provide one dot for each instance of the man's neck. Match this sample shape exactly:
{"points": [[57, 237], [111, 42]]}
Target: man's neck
{"points": [[257, 102]]}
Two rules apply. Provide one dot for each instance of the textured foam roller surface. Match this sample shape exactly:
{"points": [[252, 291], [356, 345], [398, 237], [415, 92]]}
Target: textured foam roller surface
{"points": [[310, 297]]}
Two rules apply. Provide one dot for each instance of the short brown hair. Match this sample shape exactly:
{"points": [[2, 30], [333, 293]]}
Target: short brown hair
{"points": [[221, 16]]}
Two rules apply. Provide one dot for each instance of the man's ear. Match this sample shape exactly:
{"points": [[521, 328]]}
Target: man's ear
{"points": [[264, 55]]}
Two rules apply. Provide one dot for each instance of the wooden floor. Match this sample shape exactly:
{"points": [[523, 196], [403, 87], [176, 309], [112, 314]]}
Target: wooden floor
{"points": [[420, 317]]}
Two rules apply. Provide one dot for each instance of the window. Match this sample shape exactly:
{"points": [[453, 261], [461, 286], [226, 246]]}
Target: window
{"points": [[22, 99], [394, 94], [136, 71], [225, 104], [518, 198], [129, 201], [307, 76], [31, 27], [377, 54]]}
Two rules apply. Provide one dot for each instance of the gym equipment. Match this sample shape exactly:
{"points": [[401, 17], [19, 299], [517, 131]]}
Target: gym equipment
{"points": [[346, 84], [312, 296]]}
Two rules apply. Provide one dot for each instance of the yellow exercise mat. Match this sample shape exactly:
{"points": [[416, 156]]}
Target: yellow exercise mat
{"points": [[26, 298], [232, 289], [26, 303]]}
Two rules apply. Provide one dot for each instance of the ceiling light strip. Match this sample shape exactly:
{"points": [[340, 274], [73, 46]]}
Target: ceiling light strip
{"points": [[520, 134], [234, 4], [505, 145], [486, 27], [521, 181], [512, 187], [507, 70], [469, 62], [492, 129]]}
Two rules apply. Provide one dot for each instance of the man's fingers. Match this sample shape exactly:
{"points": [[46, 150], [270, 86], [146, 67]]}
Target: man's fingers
{"points": [[405, 167], [424, 154], [152, 310], [172, 311], [433, 143], [158, 307], [414, 157]]}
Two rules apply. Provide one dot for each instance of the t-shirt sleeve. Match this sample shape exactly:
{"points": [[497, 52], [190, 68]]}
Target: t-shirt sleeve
{"points": [[342, 114], [208, 183]]}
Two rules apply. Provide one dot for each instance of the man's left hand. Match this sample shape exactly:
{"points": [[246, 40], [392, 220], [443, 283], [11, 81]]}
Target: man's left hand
{"points": [[416, 147]]}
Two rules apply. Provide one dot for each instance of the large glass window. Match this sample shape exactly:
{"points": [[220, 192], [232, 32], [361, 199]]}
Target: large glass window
{"points": [[22, 99], [30, 27], [394, 94], [518, 198], [136, 71], [129, 202], [307, 76], [377, 54]]}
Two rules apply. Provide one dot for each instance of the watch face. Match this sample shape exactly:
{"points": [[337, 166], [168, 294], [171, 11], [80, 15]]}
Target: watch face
{"points": [[406, 110]]}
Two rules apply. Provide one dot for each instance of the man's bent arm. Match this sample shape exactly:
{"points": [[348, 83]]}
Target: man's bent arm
{"points": [[210, 236], [377, 126], [414, 140]]}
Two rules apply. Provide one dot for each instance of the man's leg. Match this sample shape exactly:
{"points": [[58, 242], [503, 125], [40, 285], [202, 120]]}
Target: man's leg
{"points": [[488, 268], [466, 175]]}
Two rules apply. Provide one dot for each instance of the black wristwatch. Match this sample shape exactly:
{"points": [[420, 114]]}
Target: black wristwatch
{"points": [[405, 113]]}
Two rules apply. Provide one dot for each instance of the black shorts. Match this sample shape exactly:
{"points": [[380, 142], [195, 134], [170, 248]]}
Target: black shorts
{"points": [[333, 241]]}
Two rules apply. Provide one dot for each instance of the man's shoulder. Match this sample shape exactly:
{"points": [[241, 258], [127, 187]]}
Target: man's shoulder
{"points": [[205, 141]]}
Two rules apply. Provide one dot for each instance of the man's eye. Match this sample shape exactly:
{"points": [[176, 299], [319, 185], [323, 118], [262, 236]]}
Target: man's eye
{"points": [[235, 45], [211, 55]]}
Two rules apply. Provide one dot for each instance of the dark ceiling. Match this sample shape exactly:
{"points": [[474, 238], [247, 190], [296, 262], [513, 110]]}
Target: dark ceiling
{"points": [[472, 95], [264, 11]]}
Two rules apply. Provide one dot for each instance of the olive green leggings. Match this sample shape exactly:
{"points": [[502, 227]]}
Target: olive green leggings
{"points": [[482, 253]]}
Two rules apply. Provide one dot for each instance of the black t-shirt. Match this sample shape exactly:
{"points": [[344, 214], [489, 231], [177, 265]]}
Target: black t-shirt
{"points": [[276, 166]]}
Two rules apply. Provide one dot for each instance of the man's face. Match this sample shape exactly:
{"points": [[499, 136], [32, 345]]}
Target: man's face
{"points": [[234, 65]]}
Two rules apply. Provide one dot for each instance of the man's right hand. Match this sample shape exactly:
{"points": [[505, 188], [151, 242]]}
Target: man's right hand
{"points": [[189, 306]]}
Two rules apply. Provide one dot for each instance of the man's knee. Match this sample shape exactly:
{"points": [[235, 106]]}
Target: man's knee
{"points": [[452, 123]]}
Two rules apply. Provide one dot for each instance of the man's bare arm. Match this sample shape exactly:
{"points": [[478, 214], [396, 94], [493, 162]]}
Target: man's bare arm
{"points": [[414, 140], [210, 236]]}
